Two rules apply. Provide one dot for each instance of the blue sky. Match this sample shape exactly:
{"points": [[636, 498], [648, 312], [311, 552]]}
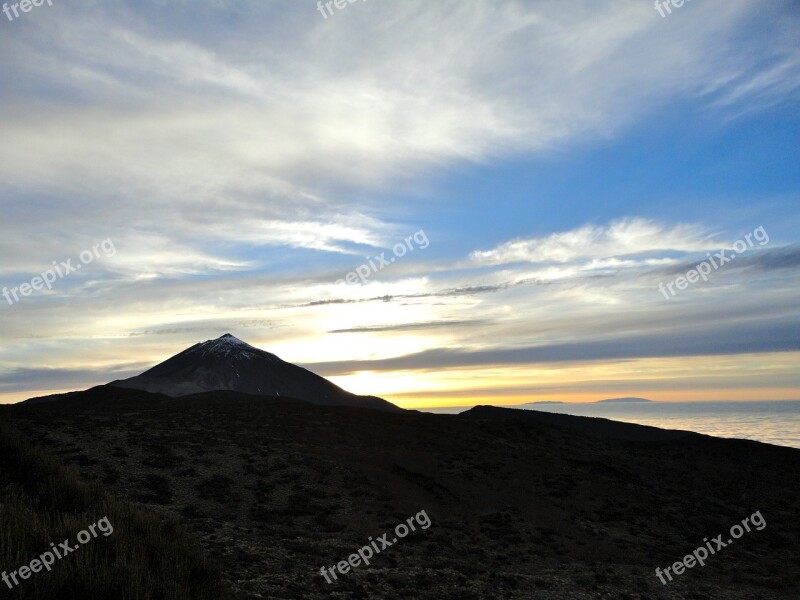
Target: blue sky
{"points": [[562, 159]]}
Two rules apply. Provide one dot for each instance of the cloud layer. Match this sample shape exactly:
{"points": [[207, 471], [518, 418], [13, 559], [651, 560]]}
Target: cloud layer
{"points": [[241, 155]]}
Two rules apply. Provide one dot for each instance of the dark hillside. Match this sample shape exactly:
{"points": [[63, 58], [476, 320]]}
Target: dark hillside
{"points": [[522, 506]]}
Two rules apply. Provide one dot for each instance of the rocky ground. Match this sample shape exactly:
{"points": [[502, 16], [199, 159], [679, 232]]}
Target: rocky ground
{"points": [[522, 505]]}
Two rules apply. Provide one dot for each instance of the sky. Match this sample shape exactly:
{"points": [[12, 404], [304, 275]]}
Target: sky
{"points": [[441, 203]]}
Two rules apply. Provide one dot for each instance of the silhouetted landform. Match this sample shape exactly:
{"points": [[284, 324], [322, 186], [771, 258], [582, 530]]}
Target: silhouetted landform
{"points": [[523, 504], [227, 363], [609, 401], [624, 401], [147, 555], [594, 426], [540, 402]]}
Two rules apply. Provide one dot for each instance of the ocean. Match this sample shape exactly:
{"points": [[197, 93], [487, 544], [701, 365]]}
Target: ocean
{"points": [[771, 422]]}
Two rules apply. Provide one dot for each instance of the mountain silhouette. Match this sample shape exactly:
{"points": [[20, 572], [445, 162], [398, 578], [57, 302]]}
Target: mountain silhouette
{"points": [[228, 363]]}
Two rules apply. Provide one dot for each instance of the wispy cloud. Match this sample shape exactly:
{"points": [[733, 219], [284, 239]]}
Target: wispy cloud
{"points": [[244, 156], [626, 237]]}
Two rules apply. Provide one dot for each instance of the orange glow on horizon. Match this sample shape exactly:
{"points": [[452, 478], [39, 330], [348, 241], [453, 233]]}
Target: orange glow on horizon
{"points": [[684, 379]]}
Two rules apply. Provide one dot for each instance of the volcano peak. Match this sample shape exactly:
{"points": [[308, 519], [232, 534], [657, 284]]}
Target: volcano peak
{"points": [[229, 364]]}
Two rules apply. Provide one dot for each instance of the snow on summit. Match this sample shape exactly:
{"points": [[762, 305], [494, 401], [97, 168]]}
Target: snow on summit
{"points": [[228, 344]]}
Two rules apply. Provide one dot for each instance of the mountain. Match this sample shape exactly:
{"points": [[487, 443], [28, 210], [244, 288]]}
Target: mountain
{"points": [[228, 363], [538, 403], [623, 401]]}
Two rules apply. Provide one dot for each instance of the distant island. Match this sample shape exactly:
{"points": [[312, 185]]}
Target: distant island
{"points": [[538, 404], [623, 401], [608, 401]]}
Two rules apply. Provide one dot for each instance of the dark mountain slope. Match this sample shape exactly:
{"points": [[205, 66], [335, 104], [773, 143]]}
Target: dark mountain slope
{"points": [[589, 425], [520, 508]]}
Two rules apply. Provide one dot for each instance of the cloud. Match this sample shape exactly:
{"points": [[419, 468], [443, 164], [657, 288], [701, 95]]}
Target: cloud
{"points": [[21, 379], [624, 237], [163, 123], [772, 259], [240, 154], [755, 260], [778, 336], [412, 326]]}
